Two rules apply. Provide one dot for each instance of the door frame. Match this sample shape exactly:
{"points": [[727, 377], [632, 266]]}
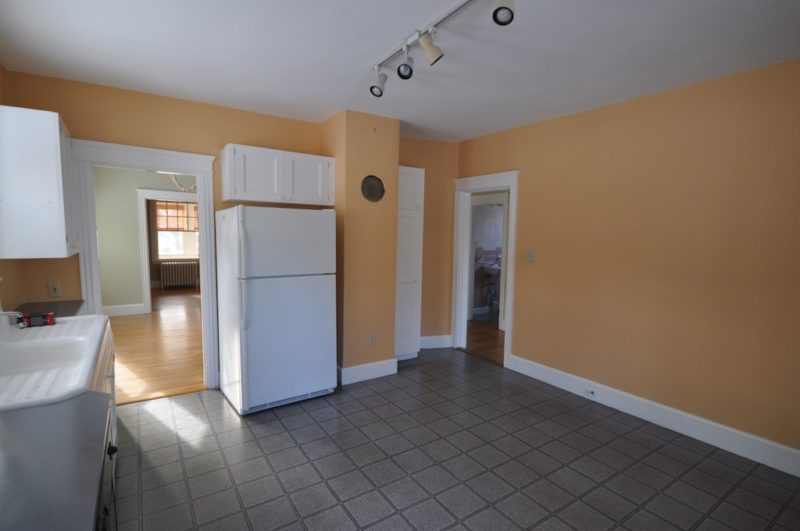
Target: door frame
{"points": [[462, 245], [88, 154], [142, 196]]}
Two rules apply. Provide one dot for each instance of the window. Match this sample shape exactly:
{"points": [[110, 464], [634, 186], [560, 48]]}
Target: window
{"points": [[177, 228]]}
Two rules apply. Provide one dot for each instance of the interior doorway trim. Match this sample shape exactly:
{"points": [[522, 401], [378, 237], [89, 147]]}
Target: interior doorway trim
{"points": [[144, 195], [495, 182], [87, 155]]}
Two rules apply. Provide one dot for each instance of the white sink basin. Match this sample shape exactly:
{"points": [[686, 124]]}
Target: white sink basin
{"points": [[48, 364]]}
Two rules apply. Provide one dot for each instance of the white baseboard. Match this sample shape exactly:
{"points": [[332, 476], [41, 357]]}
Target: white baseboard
{"points": [[367, 371], [751, 446], [436, 341], [403, 357], [124, 309]]}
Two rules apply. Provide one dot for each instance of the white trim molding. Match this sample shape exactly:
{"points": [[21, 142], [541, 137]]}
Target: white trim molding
{"points": [[124, 309], [437, 341], [367, 371], [404, 357], [142, 196], [462, 245], [739, 442], [87, 155]]}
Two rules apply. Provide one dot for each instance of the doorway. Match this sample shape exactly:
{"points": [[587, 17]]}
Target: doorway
{"points": [[148, 237], [88, 156], [485, 336], [483, 276]]}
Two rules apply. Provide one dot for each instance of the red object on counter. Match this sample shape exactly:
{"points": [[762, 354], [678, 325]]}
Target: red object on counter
{"points": [[36, 319]]}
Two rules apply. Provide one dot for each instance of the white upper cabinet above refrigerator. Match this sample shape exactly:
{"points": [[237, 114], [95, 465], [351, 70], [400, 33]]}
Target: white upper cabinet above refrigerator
{"points": [[273, 176]]}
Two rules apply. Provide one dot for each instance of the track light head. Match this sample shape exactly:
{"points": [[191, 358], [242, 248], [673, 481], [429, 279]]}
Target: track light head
{"points": [[503, 14], [379, 86], [432, 52], [406, 69]]}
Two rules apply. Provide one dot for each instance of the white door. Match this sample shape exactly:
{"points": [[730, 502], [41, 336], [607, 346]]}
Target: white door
{"points": [[408, 298], [258, 173], [308, 179], [290, 337], [286, 241]]}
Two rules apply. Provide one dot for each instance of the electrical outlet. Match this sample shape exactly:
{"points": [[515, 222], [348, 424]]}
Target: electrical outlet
{"points": [[54, 288], [372, 340], [588, 391]]}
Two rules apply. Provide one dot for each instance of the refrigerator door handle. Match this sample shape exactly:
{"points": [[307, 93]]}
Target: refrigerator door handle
{"points": [[243, 317], [240, 235]]}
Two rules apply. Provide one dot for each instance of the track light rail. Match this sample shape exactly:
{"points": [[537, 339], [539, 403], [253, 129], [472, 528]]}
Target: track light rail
{"points": [[412, 39]]}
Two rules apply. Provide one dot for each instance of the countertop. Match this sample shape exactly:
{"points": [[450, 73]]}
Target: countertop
{"points": [[60, 308], [51, 460]]}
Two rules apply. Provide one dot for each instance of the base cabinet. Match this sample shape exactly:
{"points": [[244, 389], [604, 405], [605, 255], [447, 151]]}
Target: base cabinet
{"points": [[106, 516]]}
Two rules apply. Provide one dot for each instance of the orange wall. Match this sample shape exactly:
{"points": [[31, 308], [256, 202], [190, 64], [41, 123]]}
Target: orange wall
{"points": [[667, 233], [11, 292], [94, 112], [440, 161], [3, 75], [370, 238]]}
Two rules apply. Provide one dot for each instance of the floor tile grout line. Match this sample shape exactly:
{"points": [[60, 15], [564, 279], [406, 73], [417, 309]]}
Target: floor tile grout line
{"points": [[784, 508]]}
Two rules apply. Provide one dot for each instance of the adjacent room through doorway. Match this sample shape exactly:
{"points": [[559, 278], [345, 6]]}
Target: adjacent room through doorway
{"points": [[148, 250], [485, 335]]}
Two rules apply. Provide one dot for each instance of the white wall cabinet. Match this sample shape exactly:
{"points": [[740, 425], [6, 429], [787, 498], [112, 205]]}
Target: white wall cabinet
{"points": [[39, 190], [272, 176], [408, 297]]}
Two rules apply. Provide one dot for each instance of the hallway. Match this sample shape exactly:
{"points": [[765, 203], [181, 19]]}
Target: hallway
{"points": [[160, 354]]}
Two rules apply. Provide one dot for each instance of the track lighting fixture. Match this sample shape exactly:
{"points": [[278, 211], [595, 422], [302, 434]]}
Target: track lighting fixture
{"points": [[432, 52], [379, 86], [503, 14], [406, 68]]}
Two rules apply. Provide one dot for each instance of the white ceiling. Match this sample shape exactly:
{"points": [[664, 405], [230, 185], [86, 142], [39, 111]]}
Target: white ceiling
{"points": [[308, 59]]}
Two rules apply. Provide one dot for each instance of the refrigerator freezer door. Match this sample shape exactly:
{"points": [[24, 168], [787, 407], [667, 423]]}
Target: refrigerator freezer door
{"points": [[279, 242], [290, 335]]}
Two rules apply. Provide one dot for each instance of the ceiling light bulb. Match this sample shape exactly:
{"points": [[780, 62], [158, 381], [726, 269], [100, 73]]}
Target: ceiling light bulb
{"points": [[406, 68], [379, 86], [503, 14], [432, 52]]}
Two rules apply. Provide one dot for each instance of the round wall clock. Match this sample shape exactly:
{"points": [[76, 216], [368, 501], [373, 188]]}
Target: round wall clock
{"points": [[372, 188]]}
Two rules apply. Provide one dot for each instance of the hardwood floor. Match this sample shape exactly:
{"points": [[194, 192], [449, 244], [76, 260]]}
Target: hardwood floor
{"points": [[486, 341], [160, 354]]}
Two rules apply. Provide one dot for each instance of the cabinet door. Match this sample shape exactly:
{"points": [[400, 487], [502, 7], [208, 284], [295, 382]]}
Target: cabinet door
{"points": [[308, 179], [408, 301], [258, 174], [32, 208], [411, 189]]}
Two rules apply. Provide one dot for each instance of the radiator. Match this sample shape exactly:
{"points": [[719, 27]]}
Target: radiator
{"points": [[180, 272]]}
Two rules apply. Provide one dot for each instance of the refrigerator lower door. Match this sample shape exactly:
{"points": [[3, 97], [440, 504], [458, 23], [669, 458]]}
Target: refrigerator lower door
{"points": [[290, 339]]}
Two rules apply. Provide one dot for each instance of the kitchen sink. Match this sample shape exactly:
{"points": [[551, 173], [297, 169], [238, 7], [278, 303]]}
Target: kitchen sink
{"points": [[48, 364]]}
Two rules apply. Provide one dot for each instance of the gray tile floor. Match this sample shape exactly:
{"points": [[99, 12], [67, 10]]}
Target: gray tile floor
{"points": [[450, 442]]}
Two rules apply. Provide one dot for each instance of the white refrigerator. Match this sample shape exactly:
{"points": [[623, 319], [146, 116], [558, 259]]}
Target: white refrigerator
{"points": [[276, 284]]}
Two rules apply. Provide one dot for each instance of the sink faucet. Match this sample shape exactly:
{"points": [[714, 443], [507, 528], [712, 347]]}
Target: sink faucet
{"points": [[12, 315]]}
